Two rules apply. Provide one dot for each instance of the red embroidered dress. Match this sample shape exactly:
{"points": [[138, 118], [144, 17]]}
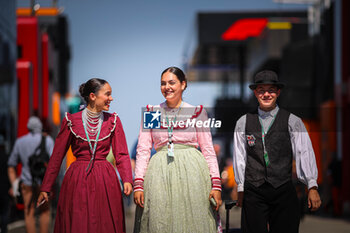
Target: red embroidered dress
{"points": [[89, 201]]}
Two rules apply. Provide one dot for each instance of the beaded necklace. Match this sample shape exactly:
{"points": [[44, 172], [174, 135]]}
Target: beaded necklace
{"points": [[92, 121], [89, 118]]}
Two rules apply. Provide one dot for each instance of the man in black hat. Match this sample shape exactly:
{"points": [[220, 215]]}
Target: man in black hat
{"points": [[265, 143]]}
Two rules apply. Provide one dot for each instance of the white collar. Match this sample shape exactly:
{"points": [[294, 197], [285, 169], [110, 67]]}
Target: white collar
{"points": [[271, 113]]}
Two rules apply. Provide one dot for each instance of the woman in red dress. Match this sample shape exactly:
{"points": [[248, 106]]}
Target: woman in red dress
{"points": [[90, 198]]}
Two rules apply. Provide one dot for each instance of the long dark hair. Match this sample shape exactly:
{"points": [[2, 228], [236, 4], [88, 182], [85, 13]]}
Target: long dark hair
{"points": [[91, 86], [178, 72]]}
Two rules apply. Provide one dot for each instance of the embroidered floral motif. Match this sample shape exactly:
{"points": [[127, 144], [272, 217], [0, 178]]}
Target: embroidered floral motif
{"points": [[251, 140]]}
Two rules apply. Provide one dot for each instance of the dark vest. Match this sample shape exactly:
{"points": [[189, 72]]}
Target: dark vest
{"points": [[278, 146]]}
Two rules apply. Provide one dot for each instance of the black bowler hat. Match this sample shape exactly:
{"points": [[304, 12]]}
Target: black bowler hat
{"points": [[266, 77]]}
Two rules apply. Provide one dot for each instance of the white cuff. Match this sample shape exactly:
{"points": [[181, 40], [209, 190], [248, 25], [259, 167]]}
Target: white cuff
{"points": [[240, 188], [312, 183], [15, 188]]}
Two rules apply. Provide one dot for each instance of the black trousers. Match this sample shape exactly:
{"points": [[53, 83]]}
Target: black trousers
{"points": [[269, 209]]}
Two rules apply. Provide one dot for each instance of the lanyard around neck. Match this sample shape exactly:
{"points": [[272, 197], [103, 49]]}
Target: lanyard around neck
{"points": [[92, 150], [170, 129], [266, 157], [268, 128]]}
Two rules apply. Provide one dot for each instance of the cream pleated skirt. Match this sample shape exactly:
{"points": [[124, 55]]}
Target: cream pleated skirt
{"points": [[176, 192]]}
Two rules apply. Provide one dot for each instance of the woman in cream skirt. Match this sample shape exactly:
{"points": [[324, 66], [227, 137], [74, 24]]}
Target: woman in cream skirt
{"points": [[173, 189]]}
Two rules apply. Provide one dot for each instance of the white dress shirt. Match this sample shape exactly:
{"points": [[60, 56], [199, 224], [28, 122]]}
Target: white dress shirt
{"points": [[303, 152]]}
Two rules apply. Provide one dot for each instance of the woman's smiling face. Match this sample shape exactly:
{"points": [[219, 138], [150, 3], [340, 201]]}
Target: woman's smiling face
{"points": [[171, 87], [103, 98]]}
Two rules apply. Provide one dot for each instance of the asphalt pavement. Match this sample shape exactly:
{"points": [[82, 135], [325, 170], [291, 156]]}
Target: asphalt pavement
{"points": [[310, 223]]}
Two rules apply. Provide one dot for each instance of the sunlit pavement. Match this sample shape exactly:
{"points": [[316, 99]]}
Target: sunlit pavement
{"points": [[310, 223]]}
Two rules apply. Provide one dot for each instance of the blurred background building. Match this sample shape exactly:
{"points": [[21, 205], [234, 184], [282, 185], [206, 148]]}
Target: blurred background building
{"points": [[309, 49], [34, 63], [8, 57]]}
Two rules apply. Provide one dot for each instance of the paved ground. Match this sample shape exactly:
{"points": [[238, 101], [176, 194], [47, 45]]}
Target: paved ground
{"points": [[310, 224]]}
